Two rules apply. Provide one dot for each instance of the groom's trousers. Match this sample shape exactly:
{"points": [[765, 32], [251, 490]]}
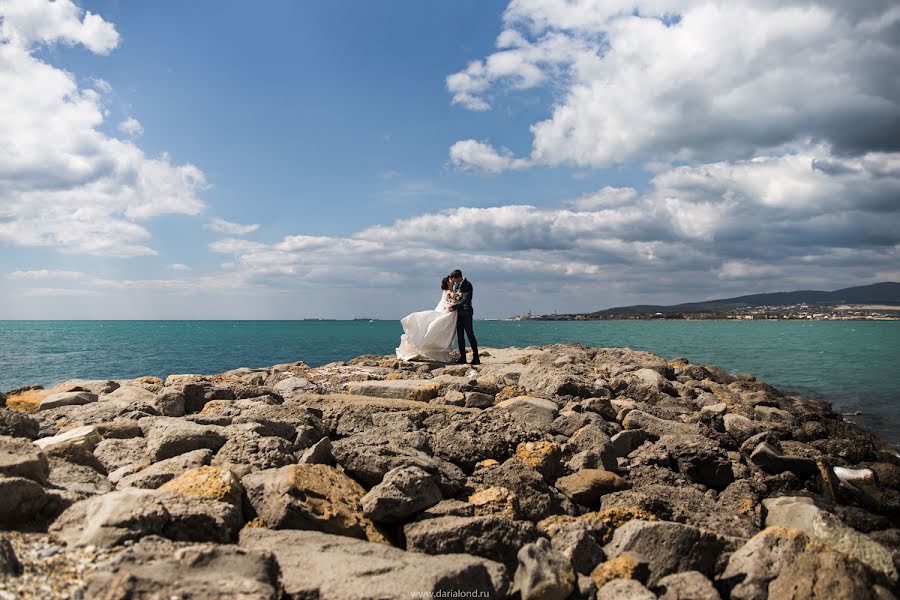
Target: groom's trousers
{"points": [[464, 326]]}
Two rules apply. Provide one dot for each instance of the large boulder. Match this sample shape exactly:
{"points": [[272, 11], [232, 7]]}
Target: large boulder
{"points": [[403, 492], [158, 568], [467, 439], [19, 458], [131, 514], [491, 536], [668, 547], [331, 567], [170, 437], [543, 382], [315, 497]]}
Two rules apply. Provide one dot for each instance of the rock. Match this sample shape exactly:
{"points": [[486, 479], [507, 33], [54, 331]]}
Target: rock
{"points": [[19, 458], [67, 399], [767, 458], [656, 427], [9, 562], [700, 459], [667, 547], [478, 400], [330, 567], [495, 501], [16, 424], [447, 508], [116, 453], [577, 542], [466, 439], [120, 429], [624, 589], [626, 442], [255, 451], [825, 575], [319, 453], [626, 566], [169, 437], [78, 478], [170, 403], [801, 513], [130, 514], [314, 497], [543, 573], [772, 414], [402, 389], [647, 385], [543, 457], [21, 500], [585, 487], [739, 427], [594, 440], [536, 499], [537, 413], [689, 585], [86, 438], [492, 536], [403, 492], [153, 476], [211, 482], [541, 381], [568, 422], [159, 568]]}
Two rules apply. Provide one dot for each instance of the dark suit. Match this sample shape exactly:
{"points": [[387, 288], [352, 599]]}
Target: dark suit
{"points": [[464, 313]]}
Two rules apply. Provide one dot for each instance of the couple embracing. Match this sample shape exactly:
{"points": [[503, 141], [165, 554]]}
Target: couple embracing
{"points": [[428, 335]]}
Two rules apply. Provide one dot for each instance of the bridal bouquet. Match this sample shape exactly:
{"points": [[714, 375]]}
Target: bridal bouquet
{"points": [[454, 296]]}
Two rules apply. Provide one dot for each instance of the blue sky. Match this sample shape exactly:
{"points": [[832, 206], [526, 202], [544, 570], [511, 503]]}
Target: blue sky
{"points": [[335, 159]]}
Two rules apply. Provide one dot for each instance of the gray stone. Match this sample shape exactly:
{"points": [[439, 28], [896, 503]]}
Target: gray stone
{"points": [[700, 459], [158, 568], [772, 414], [656, 427], [801, 513], [491, 536], [739, 427], [255, 451], [169, 437], [626, 442], [86, 437], [647, 385], [568, 422], [767, 458], [21, 500], [447, 508], [115, 453], [293, 386], [537, 499], [667, 547], [130, 514], [67, 399], [478, 400], [170, 403], [718, 409], [546, 382], [19, 458], [403, 389], [538, 413], [155, 475], [16, 424], [78, 478], [402, 493], [319, 453], [576, 541], [624, 589], [9, 562], [330, 567], [543, 573], [689, 585]]}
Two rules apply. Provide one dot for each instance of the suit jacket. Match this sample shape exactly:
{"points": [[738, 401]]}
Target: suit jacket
{"points": [[464, 305]]}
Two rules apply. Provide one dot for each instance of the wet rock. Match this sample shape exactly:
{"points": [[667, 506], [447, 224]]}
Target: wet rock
{"points": [[492, 537], [153, 476], [19, 458], [330, 567], [169, 437], [690, 585], [159, 568], [624, 589], [801, 513], [114, 518], [585, 487], [543, 573], [668, 547], [770, 460], [403, 492], [21, 500], [211, 482], [66, 399], [16, 424], [314, 497], [536, 499], [116, 453], [700, 459], [537, 413]]}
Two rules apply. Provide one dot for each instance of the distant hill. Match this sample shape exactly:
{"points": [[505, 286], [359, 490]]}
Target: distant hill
{"points": [[877, 293]]}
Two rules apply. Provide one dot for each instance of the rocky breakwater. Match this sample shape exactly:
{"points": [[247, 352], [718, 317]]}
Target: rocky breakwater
{"points": [[544, 473]]}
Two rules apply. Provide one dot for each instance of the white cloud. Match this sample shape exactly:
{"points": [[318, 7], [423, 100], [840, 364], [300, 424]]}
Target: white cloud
{"points": [[607, 197], [223, 226], [178, 267], [690, 81], [63, 183], [131, 127]]}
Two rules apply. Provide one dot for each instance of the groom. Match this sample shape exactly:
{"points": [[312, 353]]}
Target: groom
{"points": [[464, 312]]}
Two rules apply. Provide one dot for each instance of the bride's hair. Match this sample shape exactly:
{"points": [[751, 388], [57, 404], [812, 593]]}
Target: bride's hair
{"points": [[445, 283]]}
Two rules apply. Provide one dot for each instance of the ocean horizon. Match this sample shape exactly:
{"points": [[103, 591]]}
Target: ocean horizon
{"points": [[848, 363]]}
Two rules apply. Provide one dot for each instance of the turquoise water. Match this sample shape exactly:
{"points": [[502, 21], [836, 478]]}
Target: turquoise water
{"points": [[853, 364]]}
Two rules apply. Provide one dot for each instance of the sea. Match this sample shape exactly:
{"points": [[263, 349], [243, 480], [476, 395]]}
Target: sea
{"points": [[853, 364]]}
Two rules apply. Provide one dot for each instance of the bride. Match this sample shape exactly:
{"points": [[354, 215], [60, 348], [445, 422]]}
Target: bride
{"points": [[429, 334]]}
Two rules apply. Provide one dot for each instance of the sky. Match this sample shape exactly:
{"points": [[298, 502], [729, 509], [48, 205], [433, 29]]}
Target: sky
{"points": [[335, 159]]}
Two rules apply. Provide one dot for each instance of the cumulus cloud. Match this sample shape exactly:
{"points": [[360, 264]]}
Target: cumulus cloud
{"points": [[178, 267], [690, 81], [131, 127], [63, 183], [223, 226]]}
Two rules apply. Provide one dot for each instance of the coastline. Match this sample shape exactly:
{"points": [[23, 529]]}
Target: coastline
{"points": [[562, 465]]}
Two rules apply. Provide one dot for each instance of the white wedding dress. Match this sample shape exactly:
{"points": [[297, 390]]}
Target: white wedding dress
{"points": [[428, 334]]}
